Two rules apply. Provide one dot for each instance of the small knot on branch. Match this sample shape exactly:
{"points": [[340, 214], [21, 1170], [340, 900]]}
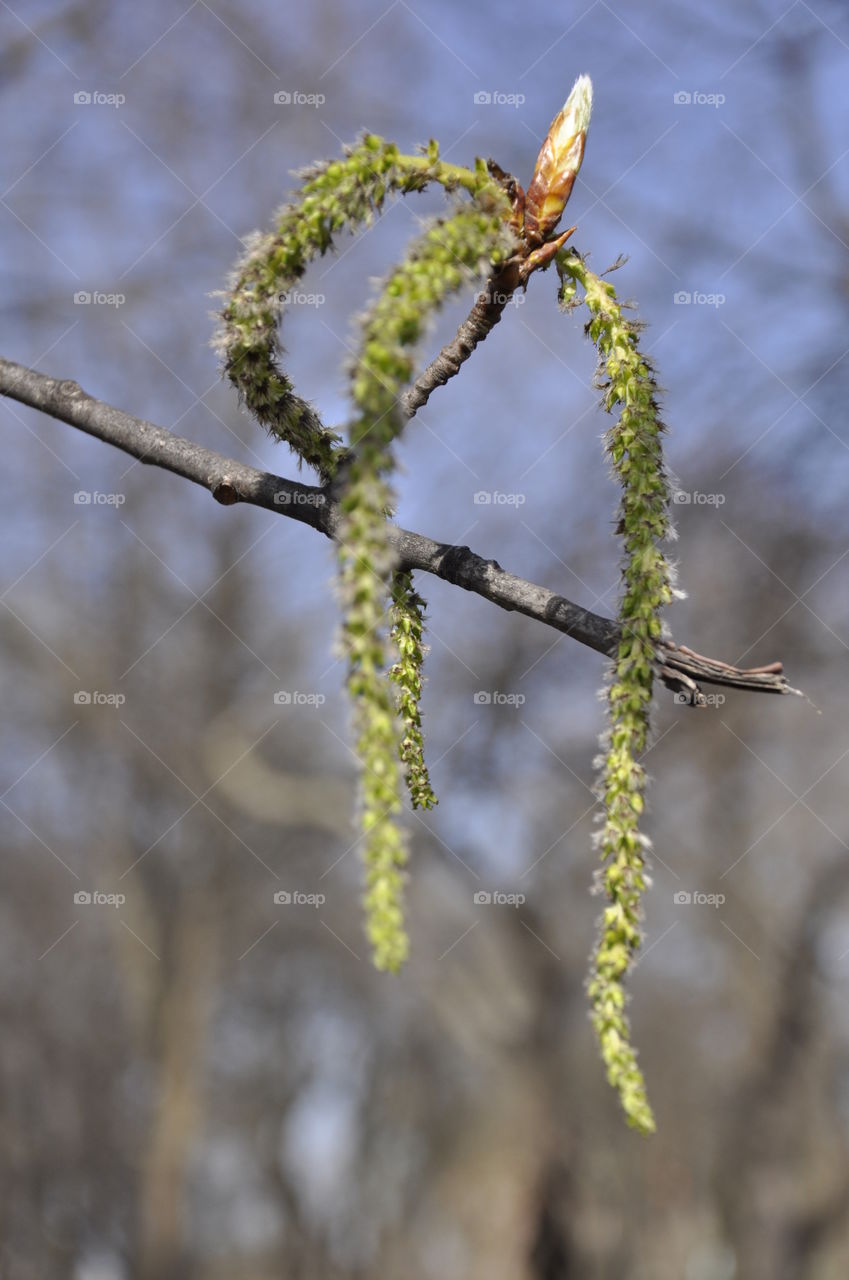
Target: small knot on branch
{"points": [[226, 492], [69, 389]]}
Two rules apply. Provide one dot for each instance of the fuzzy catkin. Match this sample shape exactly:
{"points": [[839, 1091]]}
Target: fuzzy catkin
{"points": [[338, 195], [384, 671], [634, 446], [407, 631], [382, 616]]}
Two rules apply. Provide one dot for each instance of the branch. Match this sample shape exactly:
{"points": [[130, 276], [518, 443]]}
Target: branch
{"points": [[229, 482], [479, 323]]}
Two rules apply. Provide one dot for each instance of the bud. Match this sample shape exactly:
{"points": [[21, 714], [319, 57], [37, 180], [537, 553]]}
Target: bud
{"points": [[558, 163]]}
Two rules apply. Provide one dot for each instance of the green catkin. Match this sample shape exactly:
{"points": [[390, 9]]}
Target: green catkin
{"points": [[634, 447], [362, 575], [381, 631], [407, 629], [337, 195]]}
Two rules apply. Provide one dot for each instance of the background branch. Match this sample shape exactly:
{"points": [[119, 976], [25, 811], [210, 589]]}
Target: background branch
{"points": [[680, 668]]}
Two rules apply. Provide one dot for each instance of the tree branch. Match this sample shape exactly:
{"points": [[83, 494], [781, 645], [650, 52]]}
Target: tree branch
{"points": [[485, 314], [229, 482]]}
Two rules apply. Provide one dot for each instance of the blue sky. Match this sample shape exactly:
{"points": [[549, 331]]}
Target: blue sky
{"points": [[147, 197]]}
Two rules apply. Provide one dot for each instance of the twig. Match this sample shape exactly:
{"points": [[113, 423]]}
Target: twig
{"points": [[481, 320], [229, 482]]}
